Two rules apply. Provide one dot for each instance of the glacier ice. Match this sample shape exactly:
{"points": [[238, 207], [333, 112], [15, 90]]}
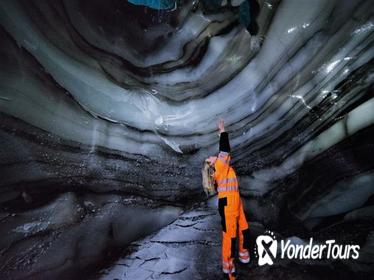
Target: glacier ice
{"points": [[108, 110]]}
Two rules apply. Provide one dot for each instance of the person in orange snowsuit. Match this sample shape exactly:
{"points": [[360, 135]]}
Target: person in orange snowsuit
{"points": [[233, 220]]}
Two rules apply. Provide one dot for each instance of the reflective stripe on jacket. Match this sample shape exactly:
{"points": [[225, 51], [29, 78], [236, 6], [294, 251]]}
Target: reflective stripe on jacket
{"points": [[225, 175]]}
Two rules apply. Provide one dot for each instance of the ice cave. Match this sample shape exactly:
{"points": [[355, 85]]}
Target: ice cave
{"points": [[109, 108]]}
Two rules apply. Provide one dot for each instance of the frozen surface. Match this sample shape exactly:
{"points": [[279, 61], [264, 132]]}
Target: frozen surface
{"points": [[107, 110]]}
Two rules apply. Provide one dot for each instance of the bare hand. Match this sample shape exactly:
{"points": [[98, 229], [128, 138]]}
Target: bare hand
{"points": [[221, 126]]}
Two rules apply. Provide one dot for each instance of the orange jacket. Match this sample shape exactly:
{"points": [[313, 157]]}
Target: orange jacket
{"points": [[225, 175]]}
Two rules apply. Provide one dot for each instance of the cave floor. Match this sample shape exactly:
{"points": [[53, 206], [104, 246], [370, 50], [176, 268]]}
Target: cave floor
{"points": [[190, 248]]}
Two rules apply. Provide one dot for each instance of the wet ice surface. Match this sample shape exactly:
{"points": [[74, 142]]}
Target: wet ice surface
{"points": [[190, 248], [63, 238]]}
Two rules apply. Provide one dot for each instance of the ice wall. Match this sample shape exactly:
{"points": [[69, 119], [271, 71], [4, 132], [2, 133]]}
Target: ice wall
{"points": [[108, 98]]}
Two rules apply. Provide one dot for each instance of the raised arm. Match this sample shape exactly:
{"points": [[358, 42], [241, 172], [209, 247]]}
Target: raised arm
{"points": [[224, 144], [222, 162], [224, 149]]}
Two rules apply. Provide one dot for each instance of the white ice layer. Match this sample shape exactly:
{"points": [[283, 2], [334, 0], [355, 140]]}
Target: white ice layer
{"points": [[98, 95]]}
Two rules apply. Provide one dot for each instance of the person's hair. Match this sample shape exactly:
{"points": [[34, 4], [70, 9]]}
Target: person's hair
{"points": [[208, 180]]}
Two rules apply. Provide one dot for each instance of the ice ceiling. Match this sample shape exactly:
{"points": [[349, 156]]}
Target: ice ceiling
{"points": [[108, 109]]}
